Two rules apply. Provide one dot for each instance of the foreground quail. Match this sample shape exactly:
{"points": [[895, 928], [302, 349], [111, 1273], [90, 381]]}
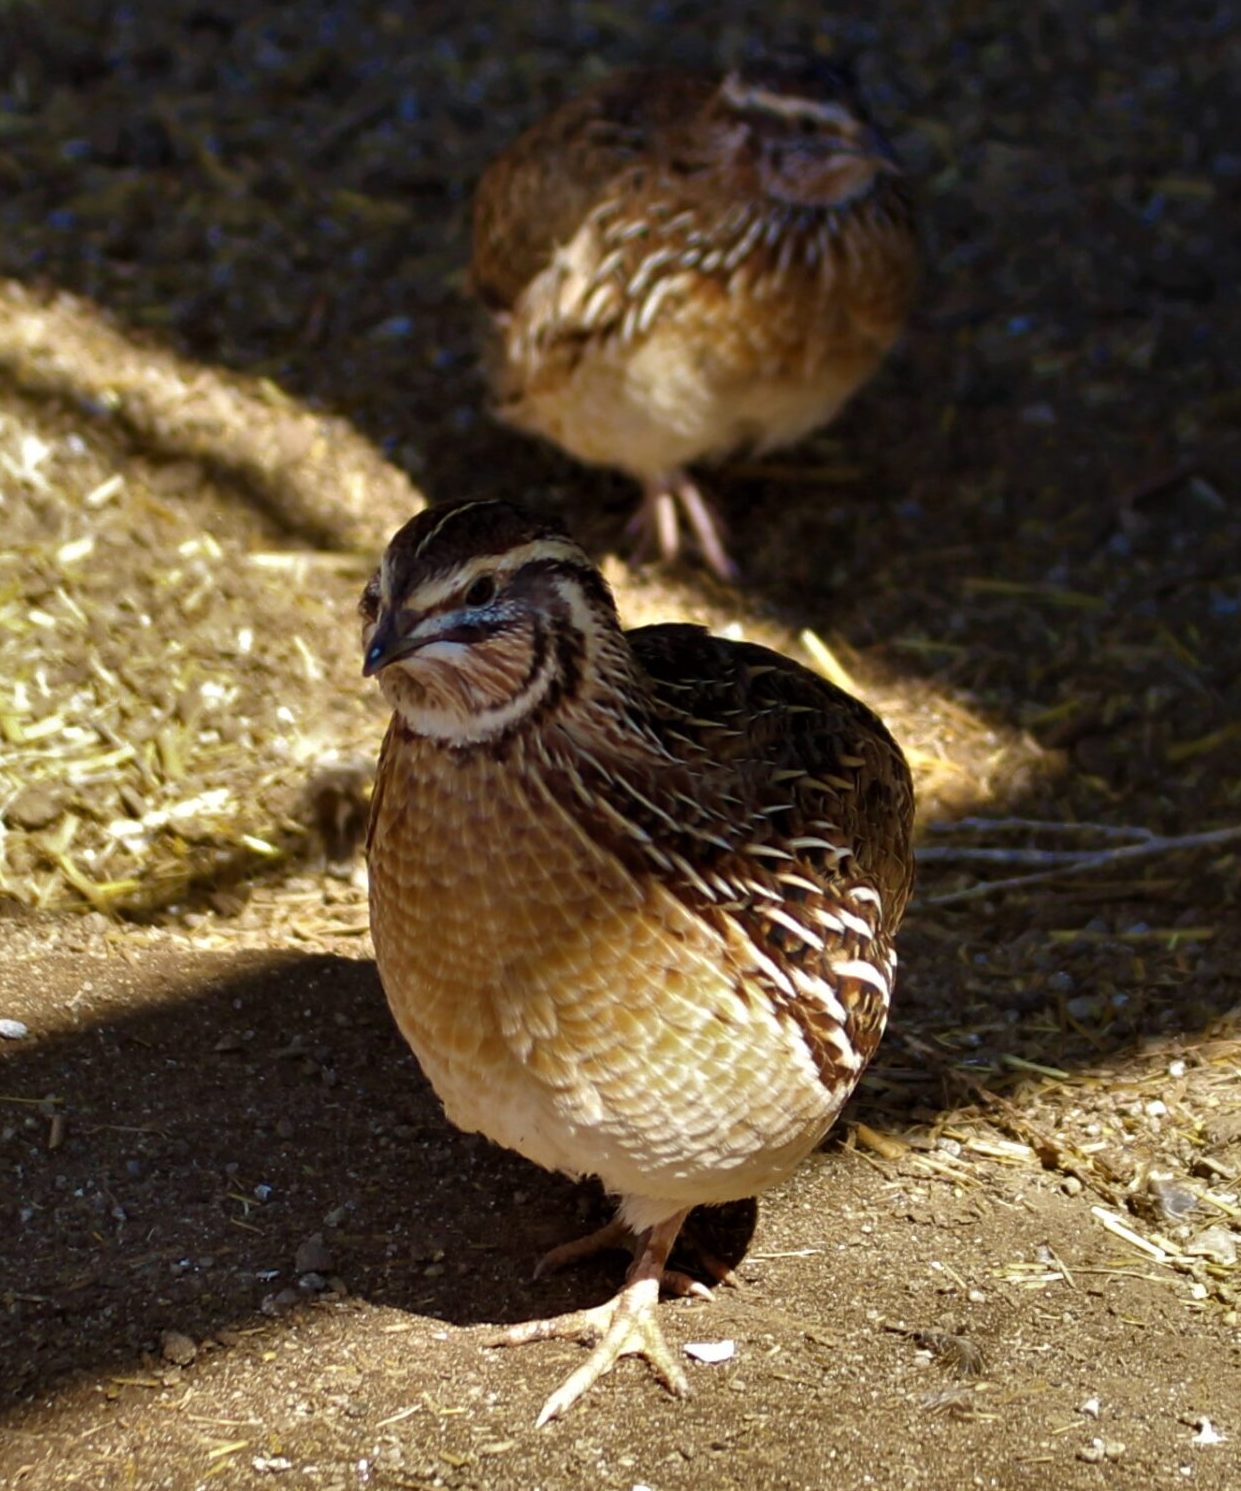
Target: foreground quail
{"points": [[633, 894], [680, 267]]}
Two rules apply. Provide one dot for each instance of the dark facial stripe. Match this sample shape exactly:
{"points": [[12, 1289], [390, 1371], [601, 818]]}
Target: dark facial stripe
{"points": [[585, 576]]}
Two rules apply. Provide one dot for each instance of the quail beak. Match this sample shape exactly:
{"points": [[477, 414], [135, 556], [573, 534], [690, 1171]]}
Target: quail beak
{"points": [[388, 643], [876, 149]]}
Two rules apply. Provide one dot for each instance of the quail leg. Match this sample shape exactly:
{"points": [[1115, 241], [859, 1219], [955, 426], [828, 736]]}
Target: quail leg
{"points": [[657, 523], [624, 1326], [616, 1236], [603, 1240]]}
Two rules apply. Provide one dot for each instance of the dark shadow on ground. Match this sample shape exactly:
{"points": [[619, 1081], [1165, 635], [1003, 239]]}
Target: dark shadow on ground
{"points": [[212, 1128], [210, 1115]]}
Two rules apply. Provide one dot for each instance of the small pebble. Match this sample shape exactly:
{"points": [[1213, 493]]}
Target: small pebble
{"points": [[178, 1348], [1216, 1243], [1207, 1434], [314, 1256], [711, 1352], [33, 808], [1099, 1450], [13, 1030], [279, 1304], [1175, 1200], [1071, 1186], [1091, 1407]]}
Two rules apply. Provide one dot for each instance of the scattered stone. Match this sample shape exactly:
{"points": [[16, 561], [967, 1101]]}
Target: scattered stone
{"points": [[1071, 1186], [1084, 1007], [279, 1304], [33, 808], [1099, 1450], [1091, 1407], [712, 1353], [314, 1256], [272, 1462], [1207, 1433], [178, 1348], [13, 1030], [1215, 1242], [1175, 1200]]}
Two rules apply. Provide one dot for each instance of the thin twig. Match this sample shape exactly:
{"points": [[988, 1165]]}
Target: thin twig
{"points": [[1156, 844], [968, 854], [1043, 825]]}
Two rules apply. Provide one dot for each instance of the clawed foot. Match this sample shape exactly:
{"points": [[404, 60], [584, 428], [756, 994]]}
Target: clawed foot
{"points": [[659, 520], [624, 1326]]}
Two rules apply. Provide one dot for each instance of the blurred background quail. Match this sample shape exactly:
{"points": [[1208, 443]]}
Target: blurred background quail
{"points": [[681, 267]]}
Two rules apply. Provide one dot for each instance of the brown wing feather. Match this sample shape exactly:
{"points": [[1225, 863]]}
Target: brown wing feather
{"points": [[533, 198], [781, 817], [773, 715]]}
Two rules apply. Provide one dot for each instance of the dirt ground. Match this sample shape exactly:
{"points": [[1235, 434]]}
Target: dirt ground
{"points": [[239, 1243]]}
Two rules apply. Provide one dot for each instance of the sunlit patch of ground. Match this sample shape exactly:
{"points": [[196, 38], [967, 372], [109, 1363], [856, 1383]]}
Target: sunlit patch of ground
{"points": [[181, 681]]}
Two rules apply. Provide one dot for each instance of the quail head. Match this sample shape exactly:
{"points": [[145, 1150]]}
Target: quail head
{"points": [[680, 267], [633, 893]]}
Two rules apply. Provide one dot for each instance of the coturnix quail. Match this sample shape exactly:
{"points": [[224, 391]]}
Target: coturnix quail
{"points": [[633, 894], [680, 268]]}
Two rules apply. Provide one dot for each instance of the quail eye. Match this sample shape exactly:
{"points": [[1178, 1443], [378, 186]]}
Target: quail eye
{"points": [[482, 591]]}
